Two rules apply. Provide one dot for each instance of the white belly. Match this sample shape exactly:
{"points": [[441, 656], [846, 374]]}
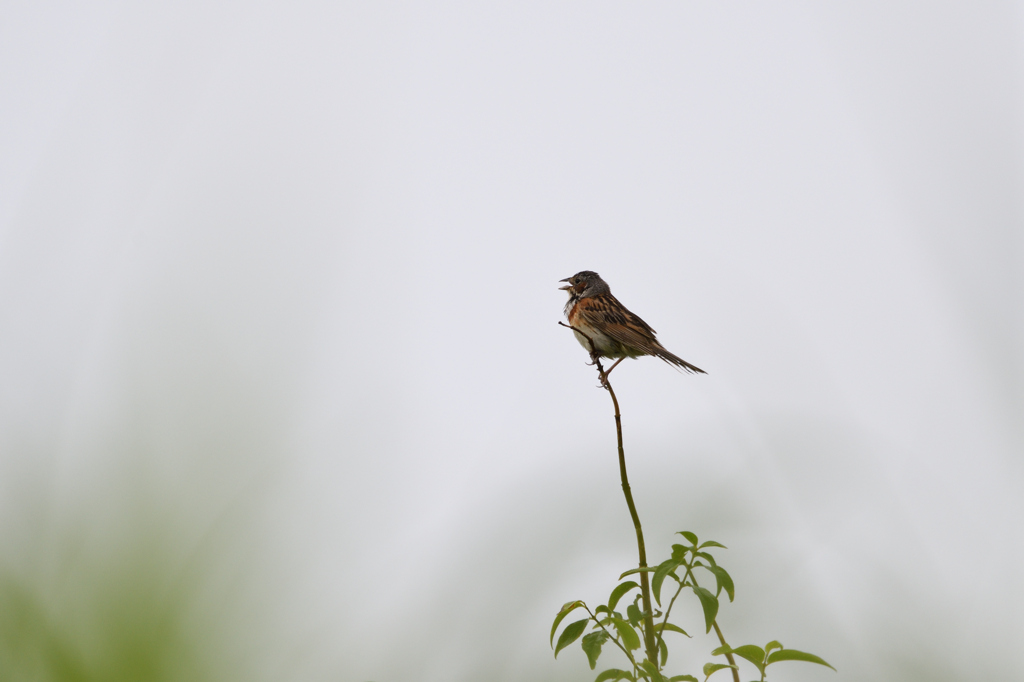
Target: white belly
{"points": [[606, 346]]}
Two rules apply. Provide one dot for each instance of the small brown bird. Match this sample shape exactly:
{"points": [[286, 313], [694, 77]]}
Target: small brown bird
{"points": [[616, 332]]}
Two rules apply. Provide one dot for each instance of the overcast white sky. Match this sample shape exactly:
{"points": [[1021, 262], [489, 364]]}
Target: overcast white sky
{"points": [[286, 274]]}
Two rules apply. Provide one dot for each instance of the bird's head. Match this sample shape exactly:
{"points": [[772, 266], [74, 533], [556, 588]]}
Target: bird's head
{"points": [[585, 284]]}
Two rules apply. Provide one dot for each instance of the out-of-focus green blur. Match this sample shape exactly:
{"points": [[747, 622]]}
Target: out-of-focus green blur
{"points": [[140, 598], [123, 615]]}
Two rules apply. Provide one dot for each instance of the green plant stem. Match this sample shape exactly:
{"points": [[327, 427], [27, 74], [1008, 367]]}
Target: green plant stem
{"points": [[718, 631], [645, 582], [661, 635], [728, 655], [614, 639]]}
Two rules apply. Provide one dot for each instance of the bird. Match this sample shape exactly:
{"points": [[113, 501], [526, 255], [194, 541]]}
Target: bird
{"points": [[597, 316]]}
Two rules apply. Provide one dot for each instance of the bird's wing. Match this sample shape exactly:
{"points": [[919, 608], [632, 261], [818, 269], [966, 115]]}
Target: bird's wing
{"points": [[606, 314], [615, 321]]}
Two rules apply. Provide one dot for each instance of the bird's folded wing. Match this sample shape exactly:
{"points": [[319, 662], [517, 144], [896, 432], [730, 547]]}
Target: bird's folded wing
{"points": [[618, 323], [608, 315]]}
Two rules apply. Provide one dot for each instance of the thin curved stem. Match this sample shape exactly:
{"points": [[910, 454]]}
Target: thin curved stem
{"points": [[728, 654], [645, 583], [718, 631], [661, 633], [614, 639], [650, 643]]}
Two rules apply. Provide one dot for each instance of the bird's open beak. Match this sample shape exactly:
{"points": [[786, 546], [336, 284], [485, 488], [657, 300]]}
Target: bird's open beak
{"points": [[567, 287]]}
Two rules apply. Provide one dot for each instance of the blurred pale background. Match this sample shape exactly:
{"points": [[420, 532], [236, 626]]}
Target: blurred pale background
{"points": [[282, 393]]}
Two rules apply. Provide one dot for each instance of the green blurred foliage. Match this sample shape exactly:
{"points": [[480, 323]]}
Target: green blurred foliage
{"points": [[97, 613]]}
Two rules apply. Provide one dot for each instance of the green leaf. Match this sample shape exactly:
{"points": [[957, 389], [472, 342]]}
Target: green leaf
{"points": [[689, 536], [614, 674], [602, 609], [711, 543], [774, 644], [648, 666], [670, 626], [652, 671], [707, 557], [794, 655], [683, 678], [570, 634], [566, 609], [592, 645], [634, 615], [643, 569], [709, 603], [663, 648], [664, 568], [752, 653], [724, 581], [618, 592], [710, 668], [679, 553], [630, 639]]}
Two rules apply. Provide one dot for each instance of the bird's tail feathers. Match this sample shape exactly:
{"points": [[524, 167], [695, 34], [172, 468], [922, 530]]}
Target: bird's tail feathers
{"points": [[679, 362]]}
